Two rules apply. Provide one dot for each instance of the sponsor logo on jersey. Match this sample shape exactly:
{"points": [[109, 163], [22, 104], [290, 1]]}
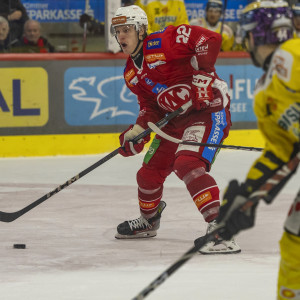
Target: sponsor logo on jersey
{"points": [[158, 88], [133, 81], [128, 76], [156, 64], [149, 81], [159, 31], [154, 44], [154, 57], [191, 135], [290, 118], [174, 97], [202, 39], [202, 50]]}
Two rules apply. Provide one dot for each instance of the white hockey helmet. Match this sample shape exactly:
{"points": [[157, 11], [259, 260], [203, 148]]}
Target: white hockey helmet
{"points": [[129, 15]]}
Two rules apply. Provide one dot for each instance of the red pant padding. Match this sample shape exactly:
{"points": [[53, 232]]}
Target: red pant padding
{"points": [[201, 186], [184, 164]]}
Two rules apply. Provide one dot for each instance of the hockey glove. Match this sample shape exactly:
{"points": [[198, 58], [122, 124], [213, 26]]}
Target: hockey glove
{"points": [[202, 89], [128, 148], [237, 212]]}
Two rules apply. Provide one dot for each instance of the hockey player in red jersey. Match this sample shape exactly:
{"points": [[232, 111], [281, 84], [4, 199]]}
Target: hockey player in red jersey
{"points": [[165, 70]]}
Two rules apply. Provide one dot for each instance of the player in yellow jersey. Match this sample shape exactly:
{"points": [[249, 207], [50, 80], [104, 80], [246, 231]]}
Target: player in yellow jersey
{"points": [[296, 20], [212, 21], [163, 13], [267, 31]]}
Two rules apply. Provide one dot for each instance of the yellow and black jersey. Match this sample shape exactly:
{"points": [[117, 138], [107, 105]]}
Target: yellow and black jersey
{"points": [[163, 13], [277, 107]]}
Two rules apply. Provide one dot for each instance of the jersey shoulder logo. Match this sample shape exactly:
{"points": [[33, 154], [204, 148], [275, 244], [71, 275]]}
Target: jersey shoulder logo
{"points": [[154, 44]]}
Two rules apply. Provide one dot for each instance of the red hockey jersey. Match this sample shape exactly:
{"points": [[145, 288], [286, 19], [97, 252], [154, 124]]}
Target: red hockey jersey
{"points": [[168, 58]]}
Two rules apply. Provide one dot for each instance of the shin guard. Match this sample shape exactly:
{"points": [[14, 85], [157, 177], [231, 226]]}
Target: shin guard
{"points": [[201, 186]]}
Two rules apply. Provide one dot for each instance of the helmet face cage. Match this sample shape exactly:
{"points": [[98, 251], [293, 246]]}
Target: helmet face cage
{"points": [[129, 15], [269, 22]]}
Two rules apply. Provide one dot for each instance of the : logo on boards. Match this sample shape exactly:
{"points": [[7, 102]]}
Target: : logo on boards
{"points": [[23, 97]]}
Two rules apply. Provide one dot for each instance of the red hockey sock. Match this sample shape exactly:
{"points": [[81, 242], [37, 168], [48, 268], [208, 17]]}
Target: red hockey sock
{"points": [[149, 200], [201, 186], [150, 190]]}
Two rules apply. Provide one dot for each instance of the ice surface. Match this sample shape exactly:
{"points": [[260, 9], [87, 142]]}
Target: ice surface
{"points": [[72, 253]]}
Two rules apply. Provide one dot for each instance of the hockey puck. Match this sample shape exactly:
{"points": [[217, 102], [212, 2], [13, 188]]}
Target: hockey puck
{"points": [[19, 246]]}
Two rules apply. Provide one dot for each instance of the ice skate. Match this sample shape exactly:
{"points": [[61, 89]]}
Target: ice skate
{"points": [[140, 227], [219, 246]]}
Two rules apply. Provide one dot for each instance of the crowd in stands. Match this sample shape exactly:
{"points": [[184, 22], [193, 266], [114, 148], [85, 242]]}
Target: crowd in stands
{"points": [[19, 34], [172, 12]]}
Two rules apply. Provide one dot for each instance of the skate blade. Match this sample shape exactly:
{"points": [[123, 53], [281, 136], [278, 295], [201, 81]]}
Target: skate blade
{"points": [[218, 252], [141, 235]]}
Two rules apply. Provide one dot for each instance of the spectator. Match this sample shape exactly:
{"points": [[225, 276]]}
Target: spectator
{"points": [[212, 21], [296, 20], [32, 40], [15, 13], [163, 13], [5, 43]]}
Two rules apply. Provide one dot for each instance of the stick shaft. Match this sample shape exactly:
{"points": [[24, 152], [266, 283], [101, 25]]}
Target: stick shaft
{"points": [[199, 243], [11, 216], [157, 130], [234, 147]]}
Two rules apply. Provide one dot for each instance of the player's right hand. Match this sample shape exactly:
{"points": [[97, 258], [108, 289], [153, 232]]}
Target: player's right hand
{"points": [[202, 89], [126, 137]]}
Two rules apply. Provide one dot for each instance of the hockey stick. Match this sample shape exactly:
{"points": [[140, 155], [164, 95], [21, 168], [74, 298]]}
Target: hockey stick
{"points": [[199, 243], [223, 17], [11, 216], [178, 141], [263, 192], [87, 7]]}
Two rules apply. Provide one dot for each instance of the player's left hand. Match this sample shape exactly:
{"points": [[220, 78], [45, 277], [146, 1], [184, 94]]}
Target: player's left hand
{"points": [[237, 212], [202, 89]]}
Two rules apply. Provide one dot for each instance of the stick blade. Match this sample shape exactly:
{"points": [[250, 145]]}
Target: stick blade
{"points": [[155, 129]]}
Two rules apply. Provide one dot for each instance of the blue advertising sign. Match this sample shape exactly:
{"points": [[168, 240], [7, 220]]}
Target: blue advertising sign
{"points": [[196, 9], [70, 11], [98, 96], [63, 11], [241, 80]]}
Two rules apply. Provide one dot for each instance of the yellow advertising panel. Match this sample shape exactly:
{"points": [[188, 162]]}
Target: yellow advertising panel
{"points": [[23, 97]]}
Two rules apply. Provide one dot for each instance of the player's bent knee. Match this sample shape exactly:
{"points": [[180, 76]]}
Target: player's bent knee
{"points": [[148, 178], [187, 166]]}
